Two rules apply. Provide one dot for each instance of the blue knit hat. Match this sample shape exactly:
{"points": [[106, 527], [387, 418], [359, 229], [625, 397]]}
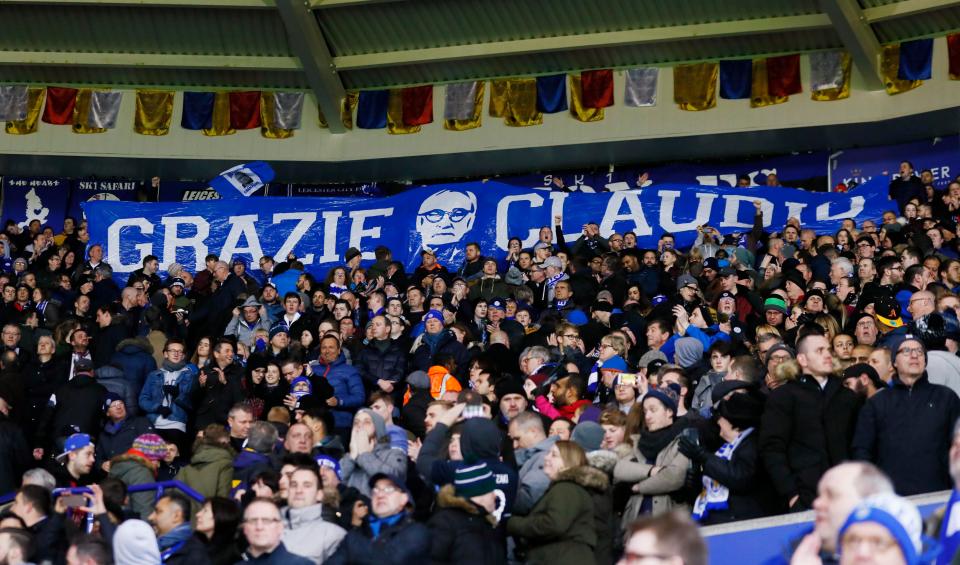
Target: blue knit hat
{"points": [[433, 315], [329, 463], [615, 363], [898, 516], [668, 395]]}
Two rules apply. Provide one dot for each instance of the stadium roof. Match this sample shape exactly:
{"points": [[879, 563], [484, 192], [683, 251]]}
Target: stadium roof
{"points": [[329, 46]]}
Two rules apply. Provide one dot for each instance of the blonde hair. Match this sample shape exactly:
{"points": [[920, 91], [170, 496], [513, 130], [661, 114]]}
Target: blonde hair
{"points": [[571, 454], [617, 342], [766, 329]]}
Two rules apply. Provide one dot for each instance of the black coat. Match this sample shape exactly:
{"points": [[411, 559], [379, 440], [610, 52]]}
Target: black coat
{"points": [[116, 440], [389, 365], [804, 432], [214, 400], [751, 494], [193, 552], [106, 342], [79, 407], [448, 345], [907, 432], [16, 455], [462, 532], [405, 543], [42, 380]]}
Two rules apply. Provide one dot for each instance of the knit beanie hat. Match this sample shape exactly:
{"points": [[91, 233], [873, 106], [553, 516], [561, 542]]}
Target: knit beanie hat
{"points": [[898, 516], [615, 363], [507, 386], [475, 480], [328, 462], [151, 446], [688, 351], [652, 355], [668, 395], [134, 543], [378, 424], [775, 303], [419, 379], [587, 435]]}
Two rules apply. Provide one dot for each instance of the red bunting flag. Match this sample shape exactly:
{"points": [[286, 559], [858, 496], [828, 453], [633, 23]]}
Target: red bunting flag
{"points": [[783, 75], [245, 110], [417, 105], [953, 48], [597, 88], [60, 104]]}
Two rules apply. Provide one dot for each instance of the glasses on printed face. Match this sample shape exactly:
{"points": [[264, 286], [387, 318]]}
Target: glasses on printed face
{"points": [[436, 215]]}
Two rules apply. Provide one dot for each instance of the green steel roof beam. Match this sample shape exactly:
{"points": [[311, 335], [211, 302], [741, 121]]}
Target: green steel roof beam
{"points": [[858, 37], [152, 3], [229, 62], [905, 8]]}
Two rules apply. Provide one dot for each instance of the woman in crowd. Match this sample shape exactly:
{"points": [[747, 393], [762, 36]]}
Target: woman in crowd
{"points": [[217, 523]]}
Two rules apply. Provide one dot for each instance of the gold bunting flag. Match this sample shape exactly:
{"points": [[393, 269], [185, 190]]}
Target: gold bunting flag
{"points": [[695, 86], [830, 76], [463, 107], [522, 104], [889, 67], [760, 89], [221, 116], [499, 93], [81, 113], [395, 125], [269, 128], [35, 98], [347, 106], [577, 109], [154, 112]]}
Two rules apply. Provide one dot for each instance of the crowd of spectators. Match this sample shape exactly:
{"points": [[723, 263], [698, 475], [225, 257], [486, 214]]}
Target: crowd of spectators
{"points": [[580, 401]]}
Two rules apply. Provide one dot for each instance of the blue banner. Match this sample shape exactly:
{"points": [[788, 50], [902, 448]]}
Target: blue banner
{"points": [[445, 218], [941, 155], [806, 170], [105, 189], [30, 198]]}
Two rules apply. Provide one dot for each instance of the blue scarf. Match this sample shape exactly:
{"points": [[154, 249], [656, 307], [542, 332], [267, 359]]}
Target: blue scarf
{"points": [[377, 524], [715, 495], [950, 530]]}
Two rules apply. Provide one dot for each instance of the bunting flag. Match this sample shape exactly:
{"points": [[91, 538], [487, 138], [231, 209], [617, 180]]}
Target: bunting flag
{"points": [[515, 100], [463, 105], [916, 60], [597, 88], [14, 101], [889, 71], [220, 121], [759, 86], [372, 109], [154, 112], [197, 110], [577, 109], [953, 51], [417, 105], [695, 86], [830, 75], [81, 113], [104, 109], [28, 125], [280, 114], [245, 109], [552, 94], [60, 104], [641, 87], [736, 79], [347, 105], [395, 122], [783, 75]]}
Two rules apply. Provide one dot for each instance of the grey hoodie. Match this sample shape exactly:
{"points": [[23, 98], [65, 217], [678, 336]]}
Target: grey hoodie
{"points": [[533, 481], [135, 544]]}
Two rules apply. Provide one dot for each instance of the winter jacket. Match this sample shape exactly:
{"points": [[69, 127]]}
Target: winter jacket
{"points": [[751, 494], [246, 465], [907, 432], [943, 368], [214, 400], [16, 457], [805, 431], [153, 397], [463, 532], [41, 381], [244, 330], [115, 439], [480, 440], [347, 388], [134, 469], [702, 396], [389, 364], [668, 480], [135, 358], [106, 342], [183, 547], [488, 288], [404, 543], [210, 471], [423, 355], [75, 406], [560, 529], [307, 534], [533, 481], [279, 556], [113, 379], [383, 459]]}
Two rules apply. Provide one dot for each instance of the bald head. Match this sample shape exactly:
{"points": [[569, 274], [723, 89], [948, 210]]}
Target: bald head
{"points": [[922, 302]]}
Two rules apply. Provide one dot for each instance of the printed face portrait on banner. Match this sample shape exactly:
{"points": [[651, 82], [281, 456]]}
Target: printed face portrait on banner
{"points": [[446, 216]]}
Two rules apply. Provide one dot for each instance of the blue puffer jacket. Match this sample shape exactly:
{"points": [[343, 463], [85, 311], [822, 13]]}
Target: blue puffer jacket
{"points": [[347, 387], [135, 358], [152, 396]]}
